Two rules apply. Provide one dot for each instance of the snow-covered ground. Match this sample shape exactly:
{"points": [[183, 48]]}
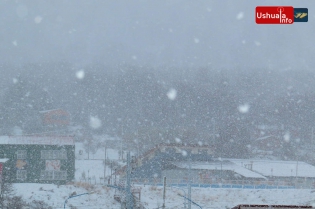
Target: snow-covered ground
{"points": [[94, 167], [55, 196], [151, 196], [225, 198]]}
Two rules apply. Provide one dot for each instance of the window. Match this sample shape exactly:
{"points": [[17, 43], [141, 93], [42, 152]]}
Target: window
{"points": [[46, 175], [53, 154], [21, 174], [21, 154], [53, 175], [60, 175], [194, 151]]}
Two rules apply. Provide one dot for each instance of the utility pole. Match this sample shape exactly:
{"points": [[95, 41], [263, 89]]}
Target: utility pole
{"points": [[138, 150], [104, 164], [213, 130], [111, 172], [297, 166], [221, 168], [189, 184], [128, 190], [312, 141], [121, 142], [137, 139], [115, 176], [89, 149], [121, 152], [164, 191]]}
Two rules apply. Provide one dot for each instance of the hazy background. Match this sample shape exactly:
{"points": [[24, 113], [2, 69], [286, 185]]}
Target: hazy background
{"points": [[157, 70], [174, 33]]}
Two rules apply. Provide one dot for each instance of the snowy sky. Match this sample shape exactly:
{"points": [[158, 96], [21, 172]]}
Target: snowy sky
{"points": [[158, 33]]}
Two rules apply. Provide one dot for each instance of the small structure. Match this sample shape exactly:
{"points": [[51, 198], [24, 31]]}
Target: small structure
{"points": [[278, 170], [39, 159], [55, 117], [269, 206], [54, 121], [212, 171], [192, 163], [151, 164]]}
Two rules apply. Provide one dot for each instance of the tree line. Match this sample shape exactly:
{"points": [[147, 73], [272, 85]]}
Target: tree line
{"points": [[132, 102]]}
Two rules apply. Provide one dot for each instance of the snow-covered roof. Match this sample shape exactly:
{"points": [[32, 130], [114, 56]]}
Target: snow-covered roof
{"points": [[217, 166], [44, 140], [3, 160], [264, 137], [278, 168], [52, 110]]}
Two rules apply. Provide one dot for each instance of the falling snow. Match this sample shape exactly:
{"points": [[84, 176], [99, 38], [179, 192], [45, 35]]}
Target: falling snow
{"points": [[95, 122], [257, 43], [243, 108], [240, 16], [14, 80], [188, 79], [22, 11], [184, 152], [178, 140], [80, 74], [171, 94], [38, 19], [286, 137]]}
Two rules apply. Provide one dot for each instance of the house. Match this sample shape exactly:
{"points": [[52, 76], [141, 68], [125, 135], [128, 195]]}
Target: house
{"points": [[55, 121], [302, 173], [209, 172], [269, 142], [39, 159], [183, 163], [267, 138], [151, 163], [55, 117]]}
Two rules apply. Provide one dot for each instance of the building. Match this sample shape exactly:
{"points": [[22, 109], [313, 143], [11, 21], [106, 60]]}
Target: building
{"points": [[151, 164], [270, 139], [39, 159], [194, 163], [55, 117], [269, 206], [209, 172], [302, 173], [54, 121]]}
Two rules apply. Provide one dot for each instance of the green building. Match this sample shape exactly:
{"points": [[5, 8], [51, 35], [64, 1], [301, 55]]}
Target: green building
{"points": [[38, 159]]}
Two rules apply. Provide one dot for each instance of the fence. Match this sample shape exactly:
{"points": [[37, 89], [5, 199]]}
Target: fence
{"points": [[240, 184]]}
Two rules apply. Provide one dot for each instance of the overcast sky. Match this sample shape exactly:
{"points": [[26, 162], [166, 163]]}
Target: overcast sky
{"points": [[155, 33]]}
